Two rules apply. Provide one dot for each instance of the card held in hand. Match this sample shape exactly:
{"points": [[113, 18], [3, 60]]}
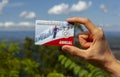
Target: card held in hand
{"points": [[54, 33]]}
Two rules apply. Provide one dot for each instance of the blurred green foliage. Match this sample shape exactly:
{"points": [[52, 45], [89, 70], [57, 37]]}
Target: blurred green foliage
{"points": [[80, 70], [13, 66], [29, 60], [55, 74]]}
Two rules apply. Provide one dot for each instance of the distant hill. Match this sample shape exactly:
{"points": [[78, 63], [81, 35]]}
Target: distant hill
{"points": [[113, 38]]}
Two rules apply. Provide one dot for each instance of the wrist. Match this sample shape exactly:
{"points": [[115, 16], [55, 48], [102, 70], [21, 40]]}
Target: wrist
{"points": [[113, 67]]}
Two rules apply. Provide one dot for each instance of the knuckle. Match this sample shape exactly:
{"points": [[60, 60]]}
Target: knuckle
{"points": [[99, 28], [87, 20], [99, 32]]}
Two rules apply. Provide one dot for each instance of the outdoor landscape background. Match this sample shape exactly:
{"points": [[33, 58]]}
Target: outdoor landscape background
{"points": [[17, 21], [21, 15]]}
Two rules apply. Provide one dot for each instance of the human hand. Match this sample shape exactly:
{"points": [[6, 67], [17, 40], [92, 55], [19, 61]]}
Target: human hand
{"points": [[97, 51]]}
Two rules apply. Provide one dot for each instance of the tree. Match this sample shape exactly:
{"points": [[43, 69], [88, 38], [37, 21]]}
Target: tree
{"points": [[13, 66]]}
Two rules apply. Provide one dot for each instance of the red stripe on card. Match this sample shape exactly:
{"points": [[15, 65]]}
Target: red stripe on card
{"points": [[61, 42]]}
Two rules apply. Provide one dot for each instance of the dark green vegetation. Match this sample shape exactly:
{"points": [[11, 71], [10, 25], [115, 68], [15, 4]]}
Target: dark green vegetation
{"points": [[42, 61]]}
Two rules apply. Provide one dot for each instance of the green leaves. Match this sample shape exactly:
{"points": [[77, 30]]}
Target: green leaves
{"points": [[68, 63], [71, 66], [41, 61], [11, 65], [13, 48], [81, 71], [76, 69], [55, 74], [29, 65]]}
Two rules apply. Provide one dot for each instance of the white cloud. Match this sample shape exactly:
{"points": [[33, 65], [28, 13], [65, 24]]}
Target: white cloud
{"points": [[25, 24], [9, 24], [3, 4], [27, 15], [65, 9], [18, 24], [23, 13], [104, 8], [105, 25], [59, 9], [80, 6]]}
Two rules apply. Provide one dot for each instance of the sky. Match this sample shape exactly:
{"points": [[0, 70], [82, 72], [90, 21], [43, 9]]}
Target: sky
{"points": [[20, 15]]}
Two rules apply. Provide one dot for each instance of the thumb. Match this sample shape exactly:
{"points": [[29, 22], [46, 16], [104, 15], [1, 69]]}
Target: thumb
{"points": [[74, 51]]}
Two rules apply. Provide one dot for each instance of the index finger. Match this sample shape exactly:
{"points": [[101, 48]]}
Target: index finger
{"points": [[85, 21]]}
